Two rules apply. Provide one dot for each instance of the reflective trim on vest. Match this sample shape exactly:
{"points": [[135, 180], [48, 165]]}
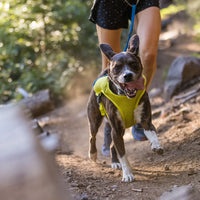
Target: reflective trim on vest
{"points": [[125, 105]]}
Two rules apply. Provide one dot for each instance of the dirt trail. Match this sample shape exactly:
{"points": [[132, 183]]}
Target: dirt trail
{"points": [[179, 134]]}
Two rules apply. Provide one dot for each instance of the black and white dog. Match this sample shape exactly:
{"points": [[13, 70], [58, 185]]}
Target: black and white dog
{"points": [[124, 79]]}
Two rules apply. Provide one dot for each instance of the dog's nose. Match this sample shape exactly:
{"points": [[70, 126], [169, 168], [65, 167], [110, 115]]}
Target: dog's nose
{"points": [[128, 77]]}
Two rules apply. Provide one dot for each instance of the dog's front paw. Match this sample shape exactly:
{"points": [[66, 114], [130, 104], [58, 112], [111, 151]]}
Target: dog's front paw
{"points": [[157, 148], [116, 165], [128, 177], [93, 156]]}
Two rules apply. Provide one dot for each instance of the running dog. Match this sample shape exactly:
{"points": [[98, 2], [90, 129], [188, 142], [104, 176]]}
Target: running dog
{"points": [[119, 94]]}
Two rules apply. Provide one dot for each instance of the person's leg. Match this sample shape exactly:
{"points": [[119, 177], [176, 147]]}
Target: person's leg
{"points": [[111, 37], [148, 27], [107, 139]]}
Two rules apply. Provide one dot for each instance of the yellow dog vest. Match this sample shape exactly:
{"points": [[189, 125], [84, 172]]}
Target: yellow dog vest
{"points": [[125, 105]]}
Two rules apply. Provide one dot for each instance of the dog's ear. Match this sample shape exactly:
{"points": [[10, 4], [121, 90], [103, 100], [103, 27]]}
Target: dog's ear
{"points": [[133, 45], [107, 50]]}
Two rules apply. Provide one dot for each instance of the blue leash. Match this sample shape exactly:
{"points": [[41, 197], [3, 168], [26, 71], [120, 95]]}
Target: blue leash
{"points": [[131, 28]]}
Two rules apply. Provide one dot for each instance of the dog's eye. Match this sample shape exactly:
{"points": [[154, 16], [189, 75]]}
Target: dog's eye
{"points": [[135, 66], [117, 68], [132, 63]]}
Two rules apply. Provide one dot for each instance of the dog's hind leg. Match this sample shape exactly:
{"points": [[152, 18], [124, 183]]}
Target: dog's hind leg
{"points": [[93, 126], [95, 120], [107, 139]]}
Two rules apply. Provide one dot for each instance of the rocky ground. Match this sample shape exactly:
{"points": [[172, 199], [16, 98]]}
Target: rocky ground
{"points": [[178, 131]]}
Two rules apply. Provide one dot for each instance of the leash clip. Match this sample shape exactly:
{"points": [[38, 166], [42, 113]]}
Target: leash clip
{"points": [[131, 5]]}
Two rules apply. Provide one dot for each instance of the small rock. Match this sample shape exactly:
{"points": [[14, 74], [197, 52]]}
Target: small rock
{"points": [[191, 172], [137, 190], [182, 70], [166, 167], [198, 99], [74, 184], [89, 187], [150, 159], [84, 197], [186, 192], [104, 162], [68, 179]]}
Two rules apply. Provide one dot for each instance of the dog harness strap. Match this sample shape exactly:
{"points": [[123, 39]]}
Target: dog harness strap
{"points": [[126, 106], [98, 92]]}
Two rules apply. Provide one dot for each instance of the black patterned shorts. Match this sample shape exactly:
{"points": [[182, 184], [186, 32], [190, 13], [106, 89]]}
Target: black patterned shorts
{"points": [[114, 14]]}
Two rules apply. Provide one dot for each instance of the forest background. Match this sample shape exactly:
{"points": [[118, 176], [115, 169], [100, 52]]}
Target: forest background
{"points": [[43, 43]]}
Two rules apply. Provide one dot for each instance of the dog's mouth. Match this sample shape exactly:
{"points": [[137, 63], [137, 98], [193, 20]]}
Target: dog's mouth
{"points": [[130, 88]]}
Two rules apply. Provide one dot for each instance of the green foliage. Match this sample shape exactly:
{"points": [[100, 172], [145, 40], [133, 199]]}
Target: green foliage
{"points": [[172, 9], [193, 9], [42, 43]]}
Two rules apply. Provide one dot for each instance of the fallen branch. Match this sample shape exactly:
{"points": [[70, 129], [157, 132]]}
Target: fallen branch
{"points": [[137, 190], [187, 94], [188, 98]]}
